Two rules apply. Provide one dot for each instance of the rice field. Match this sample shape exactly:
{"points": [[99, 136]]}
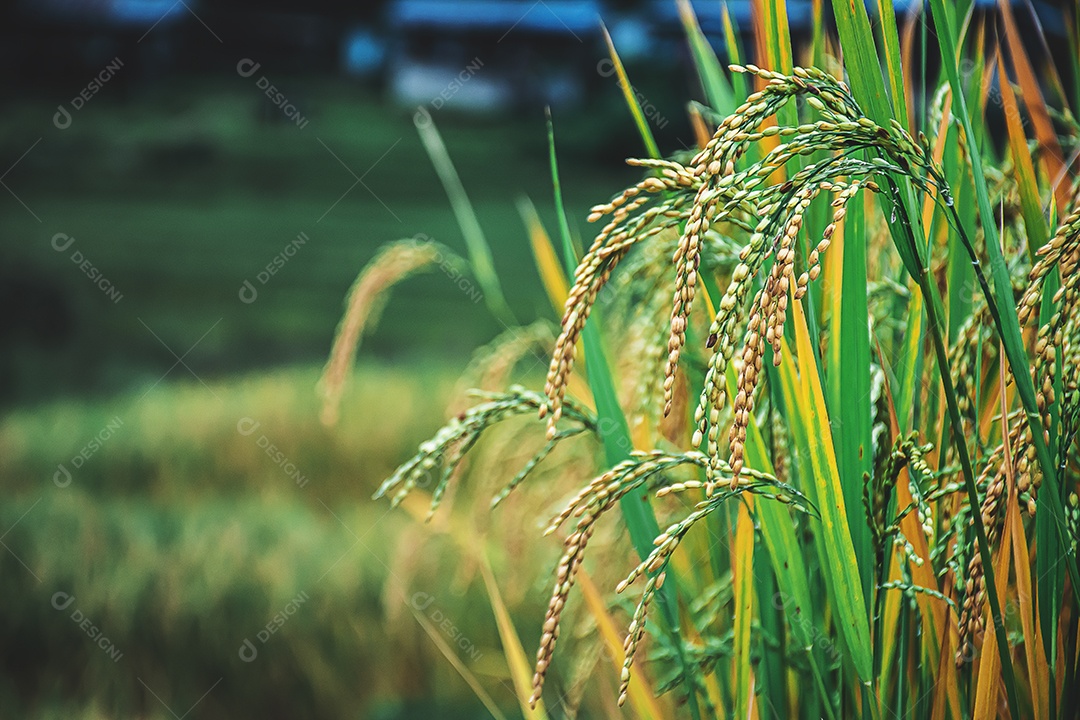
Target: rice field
{"points": [[781, 425], [829, 366]]}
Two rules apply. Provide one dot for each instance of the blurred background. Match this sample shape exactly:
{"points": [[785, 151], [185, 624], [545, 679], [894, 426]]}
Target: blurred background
{"points": [[188, 191]]}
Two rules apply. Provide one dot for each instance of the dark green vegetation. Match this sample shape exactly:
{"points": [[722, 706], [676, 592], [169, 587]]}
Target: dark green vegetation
{"points": [[185, 190], [178, 536]]}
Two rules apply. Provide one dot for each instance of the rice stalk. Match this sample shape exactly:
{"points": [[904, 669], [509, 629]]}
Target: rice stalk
{"points": [[366, 299]]}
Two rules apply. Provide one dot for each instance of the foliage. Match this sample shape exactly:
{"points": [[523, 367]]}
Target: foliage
{"points": [[881, 377]]}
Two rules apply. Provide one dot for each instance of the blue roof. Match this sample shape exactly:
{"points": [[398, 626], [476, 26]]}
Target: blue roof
{"points": [[556, 16], [140, 11]]}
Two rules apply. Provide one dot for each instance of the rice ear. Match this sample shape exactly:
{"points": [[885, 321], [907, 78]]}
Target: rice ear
{"points": [[367, 298]]}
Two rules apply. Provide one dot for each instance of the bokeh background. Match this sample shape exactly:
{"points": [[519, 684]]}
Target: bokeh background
{"points": [[188, 191], [147, 175]]}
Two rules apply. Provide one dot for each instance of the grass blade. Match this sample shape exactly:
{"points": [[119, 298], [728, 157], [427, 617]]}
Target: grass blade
{"points": [[631, 99], [641, 700], [479, 250], [547, 259], [850, 381], [894, 65], [774, 44], [860, 58], [718, 92], [733, 42], [743, 577], [809, 421], [520, 668]]}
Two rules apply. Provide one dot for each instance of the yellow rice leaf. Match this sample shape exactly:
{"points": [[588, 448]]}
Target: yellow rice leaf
{"points": [[805, 401], [455, 661], [547, 260], [521, 671], [1023, 168], [743, 579], [1038, 671], [988, 686], [641, 698]]}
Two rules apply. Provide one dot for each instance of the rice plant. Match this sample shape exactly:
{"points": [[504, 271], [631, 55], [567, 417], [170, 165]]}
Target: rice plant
{"points": [[830, 367]]}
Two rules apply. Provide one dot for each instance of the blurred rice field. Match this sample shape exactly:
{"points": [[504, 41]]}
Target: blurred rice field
{"points": [[186, 537], [181, 539]]}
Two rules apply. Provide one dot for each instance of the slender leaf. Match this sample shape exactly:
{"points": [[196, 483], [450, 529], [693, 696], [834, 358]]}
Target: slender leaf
{"points": [[717, 89], [809, 422], [479, 250], [631, 98]]}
